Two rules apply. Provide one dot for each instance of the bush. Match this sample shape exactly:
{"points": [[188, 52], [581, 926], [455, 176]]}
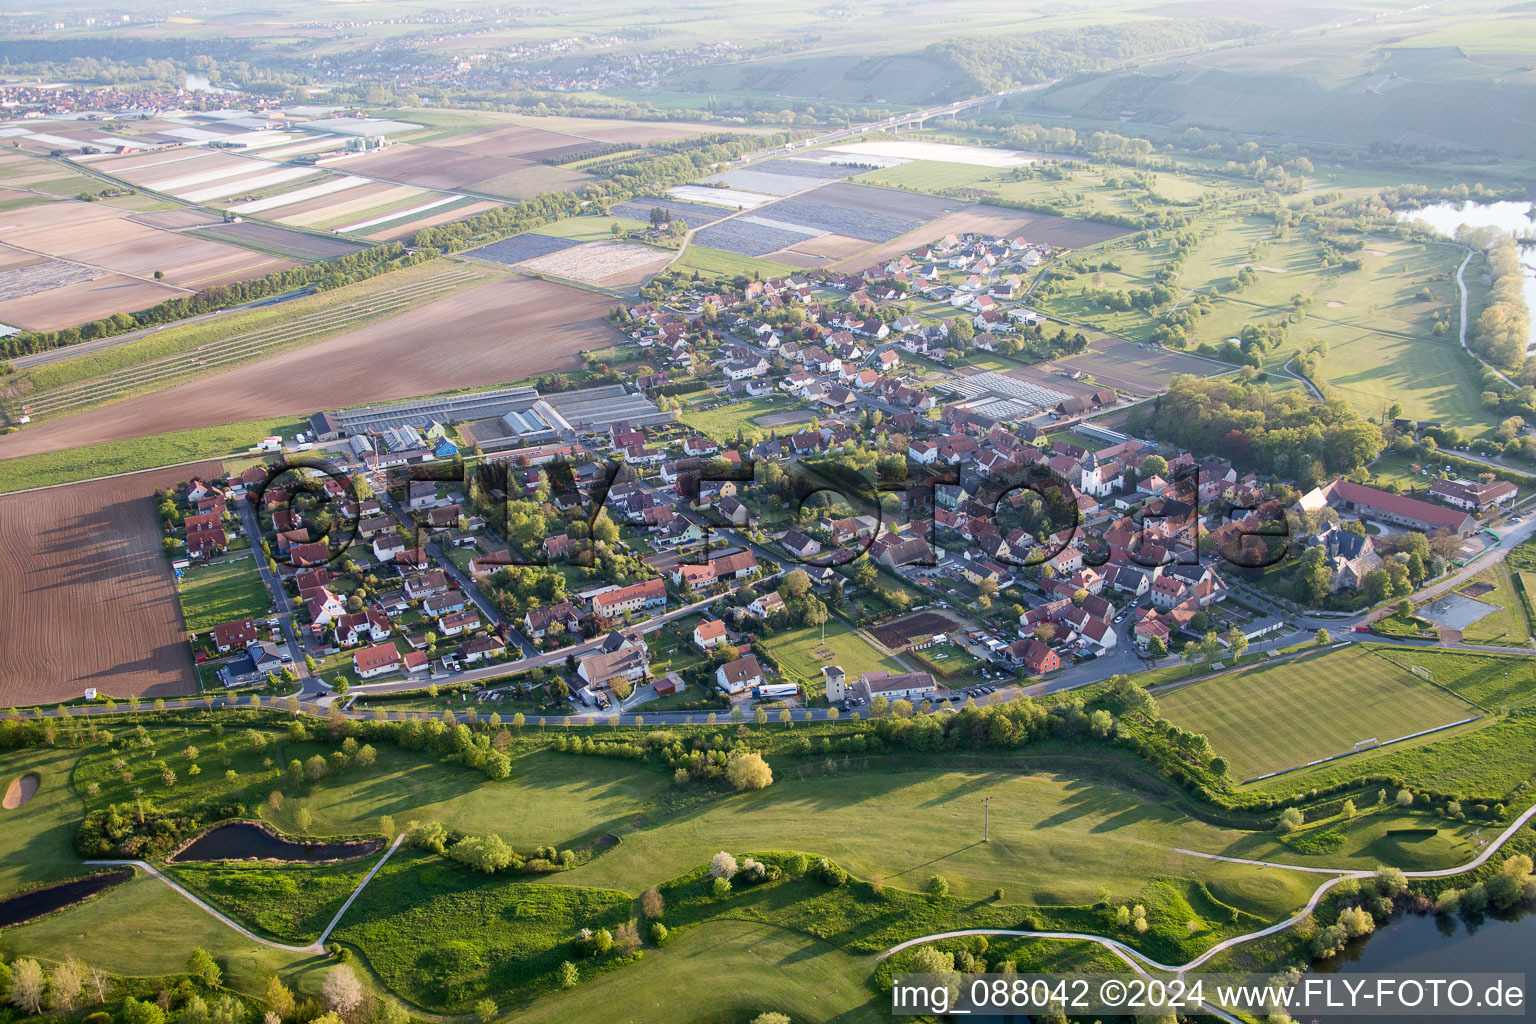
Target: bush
{"points": [[658, 934], [721, 887], [748, 770], [831, 874]]}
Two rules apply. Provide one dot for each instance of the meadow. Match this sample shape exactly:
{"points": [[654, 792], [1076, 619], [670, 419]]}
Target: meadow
{"points": [[724, 422], [223, 592], [718, 263], [795, 651], [108, 458], [1272, 717], [1066, 823]]}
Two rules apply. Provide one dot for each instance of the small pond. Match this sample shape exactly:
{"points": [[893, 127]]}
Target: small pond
{"points": [[28, 905], [242, 840]]}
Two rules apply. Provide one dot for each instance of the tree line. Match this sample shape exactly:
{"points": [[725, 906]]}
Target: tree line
{"points": [[325, 276]]}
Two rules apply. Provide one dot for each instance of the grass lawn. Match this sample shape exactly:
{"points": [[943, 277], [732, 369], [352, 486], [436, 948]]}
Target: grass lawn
{"points": [[143, 928], [290, 903], [796, 653], [771, 968], [722, 423], [1491, 760], [1273, 717], [1490, 681], [588, 229], [719, 263], [1505, 627], [948, 660], [126, 456], [212, 594], [442, 935]]}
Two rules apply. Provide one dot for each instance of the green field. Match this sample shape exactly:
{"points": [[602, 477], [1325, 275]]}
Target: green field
{"points": [[718, 263], [1491, 681], [1273, 717], [723, 423], [289, 902], [588, 229], [770, 967], [796, 653], [127, 456], [1064, 823], [224, 592]]}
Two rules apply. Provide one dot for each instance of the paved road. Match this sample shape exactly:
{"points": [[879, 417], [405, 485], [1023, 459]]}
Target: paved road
{"points": [[282, 609]]}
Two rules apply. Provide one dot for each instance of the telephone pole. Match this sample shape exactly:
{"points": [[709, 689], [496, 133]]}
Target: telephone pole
{"points": [[986, 818]]}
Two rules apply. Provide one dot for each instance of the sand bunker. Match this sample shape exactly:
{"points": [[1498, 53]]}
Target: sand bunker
{"points": [[1335, 304], [21, 790]]}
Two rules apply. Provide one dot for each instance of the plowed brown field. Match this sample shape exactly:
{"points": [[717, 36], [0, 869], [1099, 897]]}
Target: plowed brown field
{"points": [[503, 331], [87, 598]]}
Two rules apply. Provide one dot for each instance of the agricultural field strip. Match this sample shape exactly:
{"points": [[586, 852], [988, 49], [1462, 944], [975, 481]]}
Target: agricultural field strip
{"points": [[402, 215], [300, 195], [240, 346], [250, 184], [43, 277], [99, 270]]}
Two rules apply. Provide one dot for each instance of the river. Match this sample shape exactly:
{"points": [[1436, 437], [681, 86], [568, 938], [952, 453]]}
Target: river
{"points": [[1513, 218], [1429, 944]]}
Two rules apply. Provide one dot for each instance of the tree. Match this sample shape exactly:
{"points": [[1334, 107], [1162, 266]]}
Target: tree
{"points": [[1156, 649], [342, 991], [486, 1009], [722, 865], [627, 938], [1290, 820], [748, 770], [68, 977], [203, 968], [651, 904], [1238, 642], [1321, 637], [1348, 810], [797, 584], [279, 998], [938, 886], [569, 975], [134, 1012], [1404, 797], [28, 985]]}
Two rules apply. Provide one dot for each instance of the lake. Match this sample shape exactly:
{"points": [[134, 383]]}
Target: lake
{"points": [[200, 83], [1431, 944], [1512, 218]]}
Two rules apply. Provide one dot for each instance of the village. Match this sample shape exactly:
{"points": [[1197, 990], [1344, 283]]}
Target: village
{"points": [[617, 547]]}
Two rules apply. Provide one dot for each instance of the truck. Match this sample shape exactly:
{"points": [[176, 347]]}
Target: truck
{"points": [[271, 444], [775, 691]]}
